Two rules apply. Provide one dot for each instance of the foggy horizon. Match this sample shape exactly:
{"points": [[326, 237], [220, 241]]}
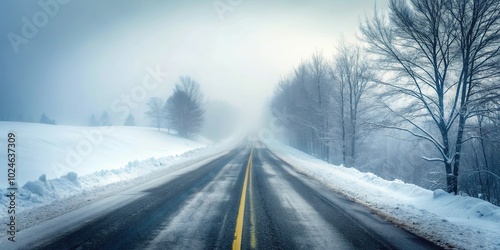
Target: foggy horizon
{"points": [[85, 57]]}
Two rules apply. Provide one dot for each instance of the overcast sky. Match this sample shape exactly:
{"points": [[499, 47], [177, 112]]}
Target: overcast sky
{"points": [[73, 59]]}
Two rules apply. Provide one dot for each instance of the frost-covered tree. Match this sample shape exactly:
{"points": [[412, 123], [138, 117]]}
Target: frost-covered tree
{"points": [[351, 77], [440, 56], [303, 103]]}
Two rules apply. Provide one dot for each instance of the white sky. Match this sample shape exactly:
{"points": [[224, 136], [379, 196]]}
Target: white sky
{"points": [[90, 53]]}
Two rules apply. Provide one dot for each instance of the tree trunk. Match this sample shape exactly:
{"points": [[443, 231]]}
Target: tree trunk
{"points": [[447, 158], [458, 149], [353, 141], [344, 154], [449, 177], [485, 157]]}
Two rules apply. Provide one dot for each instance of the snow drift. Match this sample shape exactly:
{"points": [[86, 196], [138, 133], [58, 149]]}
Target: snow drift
{"points": [[448, 220]]}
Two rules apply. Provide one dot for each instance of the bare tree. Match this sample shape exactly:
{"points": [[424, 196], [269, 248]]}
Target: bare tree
{"points": [[285, 106], [185, 107], [480, 157], [156, 111], [351, 76], [415, 44], [418, 45], [477, 32], [319, 90], [302, 101]]}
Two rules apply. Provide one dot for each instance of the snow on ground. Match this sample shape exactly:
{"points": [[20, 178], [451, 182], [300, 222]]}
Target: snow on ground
{"points": [[449, 220], [117, 158], [55, 150], [61, 168]]}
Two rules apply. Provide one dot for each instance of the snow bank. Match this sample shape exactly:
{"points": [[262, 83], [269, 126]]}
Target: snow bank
{"points": [[449, 220], [55, 150], [43, 198], [56, 163]]}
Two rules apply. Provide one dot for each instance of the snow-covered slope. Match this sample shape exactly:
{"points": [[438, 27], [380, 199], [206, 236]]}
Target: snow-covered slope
{"points": [[57, 162], [106, 161], [450, 220], [55, 150]]}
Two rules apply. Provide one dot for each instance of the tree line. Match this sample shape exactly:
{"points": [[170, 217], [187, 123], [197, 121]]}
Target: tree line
{"points": [[427, 71], [183, 111]]}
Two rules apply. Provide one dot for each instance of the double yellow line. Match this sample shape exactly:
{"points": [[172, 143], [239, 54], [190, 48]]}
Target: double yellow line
{"points": [[238, 234]]}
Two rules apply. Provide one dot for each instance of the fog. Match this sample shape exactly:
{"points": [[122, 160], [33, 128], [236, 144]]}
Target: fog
{"points": [[72, 59]]}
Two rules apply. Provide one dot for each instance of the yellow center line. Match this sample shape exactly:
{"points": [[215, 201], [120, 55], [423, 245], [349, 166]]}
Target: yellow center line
{"points": [[238, 233], [253, 238]]}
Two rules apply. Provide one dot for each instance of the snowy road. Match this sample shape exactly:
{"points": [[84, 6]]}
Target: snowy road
{"points": [[198, 209]]}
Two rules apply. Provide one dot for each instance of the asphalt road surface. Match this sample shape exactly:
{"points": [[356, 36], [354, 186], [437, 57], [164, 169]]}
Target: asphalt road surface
{"points": [[247, 198]]}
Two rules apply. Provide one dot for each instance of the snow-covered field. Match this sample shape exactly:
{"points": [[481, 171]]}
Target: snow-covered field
{"points": [[61, 168], [449, 220], [56, 150]]}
